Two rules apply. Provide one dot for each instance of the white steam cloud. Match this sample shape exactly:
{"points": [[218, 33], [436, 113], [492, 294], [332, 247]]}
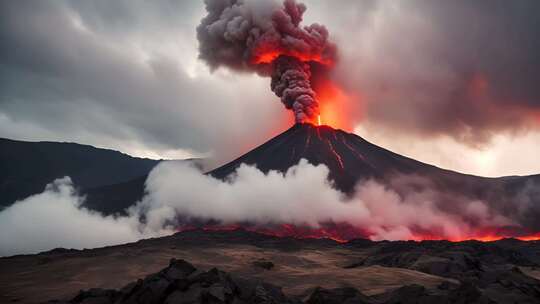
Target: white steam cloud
{"points": [[304, 196], [54, 218], [301, 196]]}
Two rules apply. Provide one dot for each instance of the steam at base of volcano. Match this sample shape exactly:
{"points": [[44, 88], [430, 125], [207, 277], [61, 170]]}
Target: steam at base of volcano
{"points": [[344, 232], [303, 203], [300, 203]]}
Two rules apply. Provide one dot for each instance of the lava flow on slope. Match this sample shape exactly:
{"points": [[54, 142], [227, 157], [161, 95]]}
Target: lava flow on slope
{"points": [[348, 157], [351, 160]]}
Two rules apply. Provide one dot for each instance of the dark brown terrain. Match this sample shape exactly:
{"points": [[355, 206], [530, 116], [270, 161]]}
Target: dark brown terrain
{"points": [[305, 270]]}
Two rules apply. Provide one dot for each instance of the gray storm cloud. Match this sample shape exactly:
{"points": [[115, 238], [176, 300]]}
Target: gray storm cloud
{"points": [[72, 72], [465, 69], [267, 38]]}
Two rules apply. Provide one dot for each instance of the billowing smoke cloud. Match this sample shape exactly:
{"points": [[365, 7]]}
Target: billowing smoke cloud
{"points": [[465, 69], [265, 37], [303, 196], [55, 218], [290, 82], [178, 193]]}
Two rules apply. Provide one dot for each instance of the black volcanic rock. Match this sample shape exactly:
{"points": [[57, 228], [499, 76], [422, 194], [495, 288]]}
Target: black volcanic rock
{"points": [[463, 260], [416, 294], [338, 296], [264, 264], [181, 283]]}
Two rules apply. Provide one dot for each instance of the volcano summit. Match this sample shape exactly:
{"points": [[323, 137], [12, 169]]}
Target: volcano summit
{"points": [[351, 159]]}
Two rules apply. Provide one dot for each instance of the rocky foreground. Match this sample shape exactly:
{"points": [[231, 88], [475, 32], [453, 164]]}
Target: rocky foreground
{"points": [[182, 283], [245, 267]]}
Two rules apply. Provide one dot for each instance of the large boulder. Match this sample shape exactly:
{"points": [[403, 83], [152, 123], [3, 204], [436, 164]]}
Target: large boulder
{"points": [[182, 283]]}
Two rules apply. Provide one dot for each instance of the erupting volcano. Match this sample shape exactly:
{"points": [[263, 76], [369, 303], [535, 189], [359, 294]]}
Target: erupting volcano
{"points": [[395, 197], [352, 160], [391, 196]]}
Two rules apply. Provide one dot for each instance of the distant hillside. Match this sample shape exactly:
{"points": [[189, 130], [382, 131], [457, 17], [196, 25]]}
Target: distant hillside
{"points": [[26, 167]]}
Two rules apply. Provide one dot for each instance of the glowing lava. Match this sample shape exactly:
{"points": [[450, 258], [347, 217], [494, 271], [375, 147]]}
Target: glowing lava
{"points": [[267, 57], [341, 233], [335, 105]]}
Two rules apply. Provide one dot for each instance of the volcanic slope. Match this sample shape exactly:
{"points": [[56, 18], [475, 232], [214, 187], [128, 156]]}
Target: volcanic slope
{"points": [[506, 271], [351, 159]]}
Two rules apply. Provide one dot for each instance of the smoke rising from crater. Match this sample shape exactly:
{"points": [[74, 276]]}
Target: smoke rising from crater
{"points": [[267, 38]]}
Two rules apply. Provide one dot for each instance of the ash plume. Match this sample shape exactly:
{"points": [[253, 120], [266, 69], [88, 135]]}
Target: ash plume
{"points": [[266, 38], [290, 82], [469, 69]]}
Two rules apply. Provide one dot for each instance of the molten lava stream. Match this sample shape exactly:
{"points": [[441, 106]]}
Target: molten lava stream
{"points": [[341, 233]]}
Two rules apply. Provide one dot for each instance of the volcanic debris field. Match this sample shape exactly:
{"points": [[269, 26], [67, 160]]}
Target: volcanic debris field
{"points": [[245, 267]]}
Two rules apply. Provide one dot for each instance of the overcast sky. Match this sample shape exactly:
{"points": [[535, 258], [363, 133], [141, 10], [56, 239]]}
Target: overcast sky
{"points": [[453, 83]]}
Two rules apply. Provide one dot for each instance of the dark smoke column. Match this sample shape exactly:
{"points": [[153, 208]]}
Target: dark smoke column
{"points": [[290, 82], [266, 37]]}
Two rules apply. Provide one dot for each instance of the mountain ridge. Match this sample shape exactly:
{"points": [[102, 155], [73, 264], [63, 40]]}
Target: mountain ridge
{"points": [[26, 167]]}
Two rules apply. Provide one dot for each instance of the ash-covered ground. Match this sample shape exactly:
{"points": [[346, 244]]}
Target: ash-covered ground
{"points": [[256, 268]]}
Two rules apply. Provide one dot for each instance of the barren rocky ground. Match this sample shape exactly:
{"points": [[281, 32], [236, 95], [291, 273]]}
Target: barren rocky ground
{"points": [[306, 271]]}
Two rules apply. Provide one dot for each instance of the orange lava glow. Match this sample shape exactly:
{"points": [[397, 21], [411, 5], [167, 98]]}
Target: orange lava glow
{"points": [[266, 57], [481, 237], [534, 237], [343, 233], [334, 106], [334, 102]]}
